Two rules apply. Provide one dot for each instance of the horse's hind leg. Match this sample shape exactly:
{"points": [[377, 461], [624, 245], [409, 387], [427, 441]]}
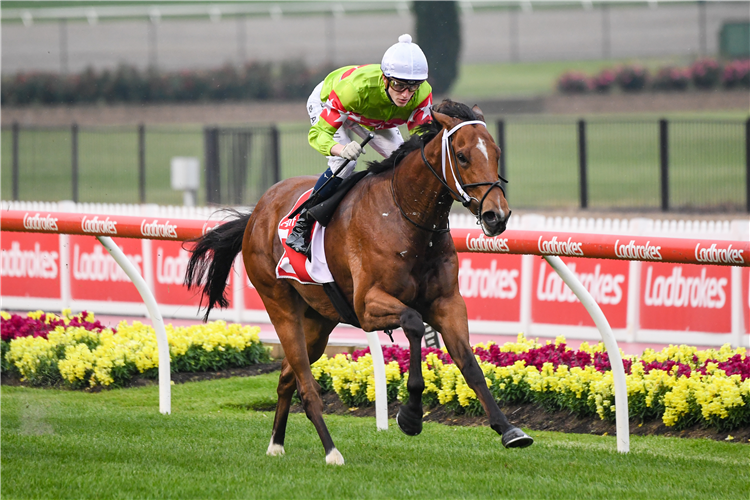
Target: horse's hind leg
{"points": [[446, 317], [290, 332], [285, 391], [317, 331]]}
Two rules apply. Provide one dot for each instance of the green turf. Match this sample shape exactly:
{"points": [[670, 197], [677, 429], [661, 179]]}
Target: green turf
{"points": [[115, 444]]}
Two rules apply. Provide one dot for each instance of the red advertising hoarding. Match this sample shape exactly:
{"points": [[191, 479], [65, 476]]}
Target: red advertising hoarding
{"points": [[491, 286], [250, 294], [746, 298], [686, 297], [170, 262], [552, 302], [30, 265], [95, 275]]}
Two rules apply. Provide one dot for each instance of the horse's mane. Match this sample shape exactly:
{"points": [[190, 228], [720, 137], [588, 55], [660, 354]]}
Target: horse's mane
{"points": [[426, 133]]}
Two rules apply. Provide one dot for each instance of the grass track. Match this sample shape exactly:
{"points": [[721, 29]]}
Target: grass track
{"points": [[115, 444]]}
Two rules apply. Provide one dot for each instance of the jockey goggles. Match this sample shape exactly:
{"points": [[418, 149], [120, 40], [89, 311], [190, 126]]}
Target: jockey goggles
{"points": [[400, 85]]}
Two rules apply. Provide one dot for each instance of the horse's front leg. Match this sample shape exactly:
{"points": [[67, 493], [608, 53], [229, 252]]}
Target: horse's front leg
{"points": [[383, 311], [448, 316]]}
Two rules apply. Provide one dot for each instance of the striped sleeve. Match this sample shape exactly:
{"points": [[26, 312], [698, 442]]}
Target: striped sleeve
{"points": [[333, 116], [421, 114]]}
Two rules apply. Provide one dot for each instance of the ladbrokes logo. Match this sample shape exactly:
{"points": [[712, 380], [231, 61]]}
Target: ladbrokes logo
{"points": [[487, 283], [483, 244], [98, 266], [554, 247], [676, 290], [715, 255], [156, 230], [605, 288], [106, 226], [37, 223], [171, 270], [631, 251], [17, 263]]}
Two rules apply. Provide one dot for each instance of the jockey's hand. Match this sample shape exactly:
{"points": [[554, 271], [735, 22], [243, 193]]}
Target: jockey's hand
{"points": [[351, 151]]}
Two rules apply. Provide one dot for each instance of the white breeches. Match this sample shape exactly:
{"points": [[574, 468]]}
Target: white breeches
{"points": [[385, 142]]}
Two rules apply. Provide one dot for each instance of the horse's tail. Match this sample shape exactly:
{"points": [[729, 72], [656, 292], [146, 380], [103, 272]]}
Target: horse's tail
{"points": [[212, 258]]}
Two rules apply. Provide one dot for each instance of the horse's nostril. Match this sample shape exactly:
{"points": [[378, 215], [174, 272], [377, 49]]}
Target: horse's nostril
{"points": [[491, 217]]}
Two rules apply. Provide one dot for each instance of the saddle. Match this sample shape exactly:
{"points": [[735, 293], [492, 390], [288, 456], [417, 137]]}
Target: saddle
{"points": [[323, 211], [296, 266]]}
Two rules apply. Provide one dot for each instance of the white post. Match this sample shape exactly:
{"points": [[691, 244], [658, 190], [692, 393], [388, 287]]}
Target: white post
{"points": [[381, 391], [615, 360], [527, 268], [165, 389], [738, 325], [65, 271]]}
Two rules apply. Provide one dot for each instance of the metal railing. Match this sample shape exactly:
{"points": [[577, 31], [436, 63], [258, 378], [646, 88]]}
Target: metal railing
{"points": [[677, 165], [215, 11]]}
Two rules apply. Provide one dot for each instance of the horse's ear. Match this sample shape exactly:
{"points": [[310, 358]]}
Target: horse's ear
{"points": [[445, 121], [478, 112]]}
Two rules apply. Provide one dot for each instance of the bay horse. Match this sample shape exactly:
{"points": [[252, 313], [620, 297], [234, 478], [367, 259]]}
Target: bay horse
{"points": [[389, 250]]}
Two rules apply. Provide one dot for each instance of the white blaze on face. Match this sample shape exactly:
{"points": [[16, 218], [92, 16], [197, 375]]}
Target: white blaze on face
{"points": [[481, 147]]}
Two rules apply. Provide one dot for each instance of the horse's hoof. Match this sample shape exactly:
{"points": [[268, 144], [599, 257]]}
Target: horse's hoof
{"points": [[516, 438], [275, 450], [410, 425], [334, 457]]}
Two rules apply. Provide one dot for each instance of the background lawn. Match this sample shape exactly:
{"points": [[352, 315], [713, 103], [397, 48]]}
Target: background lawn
{"points": [[541, 153], [115, 444]]}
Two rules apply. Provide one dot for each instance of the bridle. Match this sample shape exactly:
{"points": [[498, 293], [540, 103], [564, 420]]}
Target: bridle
{"points": [[460, 194]]}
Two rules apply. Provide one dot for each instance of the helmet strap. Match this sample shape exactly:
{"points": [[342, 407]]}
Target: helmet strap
{"points": [[387, 91]]}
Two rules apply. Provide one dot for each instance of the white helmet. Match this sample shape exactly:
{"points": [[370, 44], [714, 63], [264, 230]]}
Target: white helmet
{"points": [[404, 61]]}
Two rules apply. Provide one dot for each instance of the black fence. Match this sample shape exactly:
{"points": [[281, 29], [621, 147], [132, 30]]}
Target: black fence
{"points": [[676, 165]]}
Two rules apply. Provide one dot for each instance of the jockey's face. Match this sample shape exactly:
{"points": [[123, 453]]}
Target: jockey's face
{"points": [[400, 91]]}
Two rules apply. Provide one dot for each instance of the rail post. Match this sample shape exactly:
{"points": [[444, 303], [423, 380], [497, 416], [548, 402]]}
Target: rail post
{"points": [[74, 159], [275, 154], [141, 163], [582, 164], [615, 359], [381, 388], [503, 154], [213, 178], [664, 163], [165, 389], [16, 133], [747, 164]]}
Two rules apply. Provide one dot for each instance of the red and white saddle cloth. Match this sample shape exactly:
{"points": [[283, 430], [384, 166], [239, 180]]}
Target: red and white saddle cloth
{"points": [[294, 265]]}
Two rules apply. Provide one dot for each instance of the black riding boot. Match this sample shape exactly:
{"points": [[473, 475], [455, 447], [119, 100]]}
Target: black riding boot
{"points": [[301, 236]]}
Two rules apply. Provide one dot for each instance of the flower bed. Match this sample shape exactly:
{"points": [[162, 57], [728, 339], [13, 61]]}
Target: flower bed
{"points": [[679, 384], [77, 351], [703, 74]]}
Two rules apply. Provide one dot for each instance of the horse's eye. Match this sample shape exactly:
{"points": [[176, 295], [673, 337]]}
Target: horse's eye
{"points": [[461, 157]]}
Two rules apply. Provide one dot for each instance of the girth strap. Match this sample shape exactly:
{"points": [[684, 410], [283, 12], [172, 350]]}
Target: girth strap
{"points": [[342, 306]]}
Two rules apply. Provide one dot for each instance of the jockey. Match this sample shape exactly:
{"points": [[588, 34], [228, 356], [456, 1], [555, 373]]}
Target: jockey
{"points": [[364, 99]]}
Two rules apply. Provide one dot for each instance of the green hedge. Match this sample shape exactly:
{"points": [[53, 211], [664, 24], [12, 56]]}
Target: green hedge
{"points": [[127, 84]]}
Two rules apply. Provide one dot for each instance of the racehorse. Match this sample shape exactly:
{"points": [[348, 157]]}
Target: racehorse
{"points": [[390, 251]]}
